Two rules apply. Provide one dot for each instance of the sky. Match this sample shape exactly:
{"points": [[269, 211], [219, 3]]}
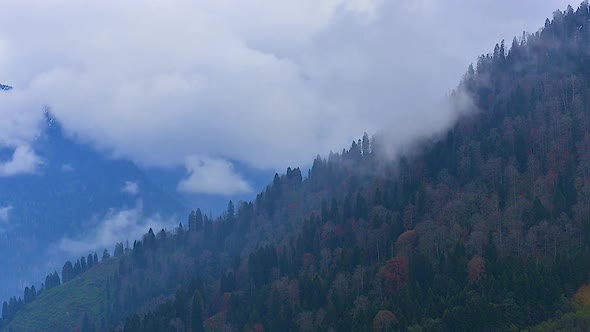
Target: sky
{"points": [[211, 83]]}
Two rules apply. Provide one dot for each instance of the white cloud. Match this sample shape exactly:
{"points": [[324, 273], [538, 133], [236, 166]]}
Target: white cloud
{"points": [[20, 119], [130, 187], [5, 214], [212, 176], [117, 226], [266, 83], [23, 161]]}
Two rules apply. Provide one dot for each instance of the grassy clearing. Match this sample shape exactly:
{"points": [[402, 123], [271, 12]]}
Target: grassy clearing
{"points": [[62, 308]]}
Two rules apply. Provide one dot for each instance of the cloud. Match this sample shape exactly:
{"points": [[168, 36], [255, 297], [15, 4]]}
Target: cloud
{"points": [[116, 226], [130, 187], [20, 119], [267, 83], [5, 219], [23, 161], [4, 214], [212, 176], [67, 168]]}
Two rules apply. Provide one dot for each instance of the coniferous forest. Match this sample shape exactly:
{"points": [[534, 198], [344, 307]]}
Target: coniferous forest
{"points": [[485, 227]]}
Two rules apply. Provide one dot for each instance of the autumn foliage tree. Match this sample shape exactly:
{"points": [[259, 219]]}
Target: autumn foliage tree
{"points": [[476, 269], [394, 274], [384, 321]]}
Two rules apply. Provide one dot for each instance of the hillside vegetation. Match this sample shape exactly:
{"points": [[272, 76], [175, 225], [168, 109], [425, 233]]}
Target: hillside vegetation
{"points": [[485, 228]]}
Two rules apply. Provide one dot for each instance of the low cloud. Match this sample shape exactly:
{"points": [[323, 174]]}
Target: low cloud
{"points": [[23, 161], [116, 226], [130, 187], [20, 123], [212, 176], [409, 133]]}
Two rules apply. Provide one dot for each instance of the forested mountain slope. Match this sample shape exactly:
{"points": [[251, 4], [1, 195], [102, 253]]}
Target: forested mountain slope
{"points": [[486, 228]]}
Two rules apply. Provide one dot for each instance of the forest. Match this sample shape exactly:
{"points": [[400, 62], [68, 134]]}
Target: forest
{"points": [[483, 228]]}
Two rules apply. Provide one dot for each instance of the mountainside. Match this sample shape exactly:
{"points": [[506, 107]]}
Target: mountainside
{"points": [[485, 228], [73, 188]]}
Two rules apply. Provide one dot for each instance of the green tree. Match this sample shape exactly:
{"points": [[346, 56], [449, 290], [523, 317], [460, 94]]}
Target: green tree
{"points": [[198, 220], [67, 272], [231, 211], [192, 221], [197, 313]]}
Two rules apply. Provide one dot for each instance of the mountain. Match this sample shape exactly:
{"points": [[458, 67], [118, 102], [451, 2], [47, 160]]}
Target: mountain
{"points": [[66, 198], [483, 228]]}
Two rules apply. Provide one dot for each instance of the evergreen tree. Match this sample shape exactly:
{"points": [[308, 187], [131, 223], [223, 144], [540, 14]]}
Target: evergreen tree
{"points": [[198, 220], [334, 210], [230, 211], [90, 260], [207, 226], [325, 213], [119, 249], [105, 254], [67, 272], [5, 312], [77, 267], [277, 188], [192, 222], [197, 313], [52, 280], [83, 266], [149, 240]]}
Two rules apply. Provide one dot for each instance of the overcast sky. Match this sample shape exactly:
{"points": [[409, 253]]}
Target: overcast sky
{"points": [[202, 84]]}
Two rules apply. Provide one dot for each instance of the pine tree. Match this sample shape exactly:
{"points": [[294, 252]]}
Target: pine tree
{"points": [[334, 210], [199, 220], [5, 312], [325, 212], [149, 240], [197, 313], [230, 211], [83, 266], [277, 188], [67, 272], [207, 226], [192, 221], [90, 261], [119, 249], [105, 254]]}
